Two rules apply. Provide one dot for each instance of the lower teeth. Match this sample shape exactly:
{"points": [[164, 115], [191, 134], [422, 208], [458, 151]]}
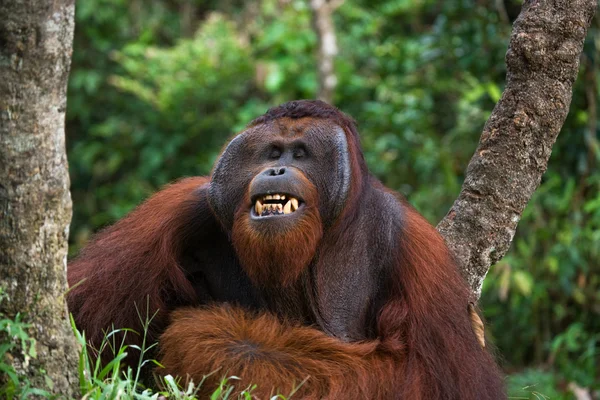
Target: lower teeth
{"points": [[264, 213], [289, 207]]}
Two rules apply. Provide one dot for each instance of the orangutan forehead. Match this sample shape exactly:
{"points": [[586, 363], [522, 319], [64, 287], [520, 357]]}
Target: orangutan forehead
{"points": [[296, 127]]}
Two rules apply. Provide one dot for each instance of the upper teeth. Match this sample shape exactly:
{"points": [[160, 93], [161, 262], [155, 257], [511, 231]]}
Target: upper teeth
{"points": [[263, 208]]}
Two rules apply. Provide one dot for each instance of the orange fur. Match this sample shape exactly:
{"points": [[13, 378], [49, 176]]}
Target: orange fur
{"points": [[276, 355], [133, 264], [426, 320], [477, 324]]}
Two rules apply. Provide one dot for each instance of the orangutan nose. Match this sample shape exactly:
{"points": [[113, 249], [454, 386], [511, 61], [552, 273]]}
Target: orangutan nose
{"points": [[274, 171]]}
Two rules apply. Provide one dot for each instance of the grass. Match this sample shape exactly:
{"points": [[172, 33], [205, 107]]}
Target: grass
{"points": [[113, 381], [15, 340]]}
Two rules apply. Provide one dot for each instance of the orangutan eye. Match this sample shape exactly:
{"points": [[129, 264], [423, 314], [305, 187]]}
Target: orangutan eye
{"points": [[299, 152], [275, 153]]}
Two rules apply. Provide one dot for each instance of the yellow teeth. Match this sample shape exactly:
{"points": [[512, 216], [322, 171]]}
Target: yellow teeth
{"points": [[275, 204], [258, 207]]}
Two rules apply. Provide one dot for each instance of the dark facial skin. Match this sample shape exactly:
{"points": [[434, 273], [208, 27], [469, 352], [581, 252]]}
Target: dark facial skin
{"points": [[304, 160], [308, 251], [276, 157]]}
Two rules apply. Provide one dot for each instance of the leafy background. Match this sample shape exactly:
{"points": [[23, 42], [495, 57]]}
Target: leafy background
{"points": [[157, 87]]}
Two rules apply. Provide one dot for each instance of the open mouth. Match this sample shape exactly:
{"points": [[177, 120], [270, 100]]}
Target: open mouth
{"points": [[275, 204]]}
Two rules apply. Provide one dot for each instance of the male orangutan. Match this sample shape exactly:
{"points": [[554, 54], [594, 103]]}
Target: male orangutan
{"points": [[290, 263]]}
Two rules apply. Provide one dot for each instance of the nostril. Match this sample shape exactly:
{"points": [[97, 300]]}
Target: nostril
{"points": [[276, 171]]}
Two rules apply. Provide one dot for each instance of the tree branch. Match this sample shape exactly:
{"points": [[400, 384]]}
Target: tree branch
{"points": [[323, 23], [513, 152], [502, 14]]}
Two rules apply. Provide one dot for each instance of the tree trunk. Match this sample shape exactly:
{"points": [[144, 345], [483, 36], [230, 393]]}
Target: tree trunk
{"points": [[513, 152], [35, 204], [322, 11]]}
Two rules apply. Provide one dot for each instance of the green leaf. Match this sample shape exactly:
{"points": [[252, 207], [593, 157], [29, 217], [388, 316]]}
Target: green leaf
{"points": [[523, 282], [275, 78]]}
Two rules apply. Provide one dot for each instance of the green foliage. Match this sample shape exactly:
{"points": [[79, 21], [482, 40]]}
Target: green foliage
{"points": [[97, 381], [419, 118], [150, 102], [533, 385], [15, 341], [164, 113], [117, 381]]}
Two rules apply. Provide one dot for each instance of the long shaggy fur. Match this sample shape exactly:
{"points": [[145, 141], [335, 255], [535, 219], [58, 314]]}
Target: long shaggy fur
{"points": [[278, 356], [427, 321], [133, 266]]}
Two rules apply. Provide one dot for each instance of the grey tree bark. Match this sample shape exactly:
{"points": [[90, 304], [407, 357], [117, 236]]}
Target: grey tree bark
{"points": [[35, 205], [513, 152], [322, 11]]}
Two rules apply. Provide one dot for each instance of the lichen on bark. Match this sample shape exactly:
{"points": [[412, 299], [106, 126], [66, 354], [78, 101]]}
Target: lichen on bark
{"points": [[35, 205]]}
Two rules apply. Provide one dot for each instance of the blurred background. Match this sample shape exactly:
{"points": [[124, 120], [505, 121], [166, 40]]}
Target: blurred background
{"points": [[158, 86]]}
